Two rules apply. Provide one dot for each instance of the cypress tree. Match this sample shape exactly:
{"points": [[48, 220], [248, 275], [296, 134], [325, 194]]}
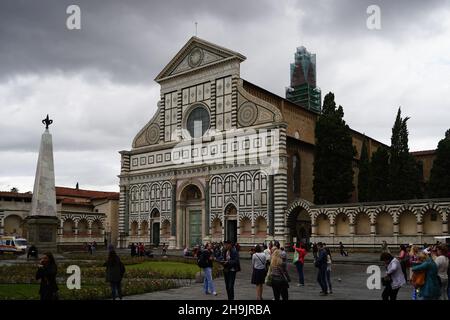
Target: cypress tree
{"points": [[379, 175], [363, 175], [404, 170], [333, 155], [439, 184]]}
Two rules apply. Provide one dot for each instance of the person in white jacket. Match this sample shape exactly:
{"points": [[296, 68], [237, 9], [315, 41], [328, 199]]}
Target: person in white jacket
{"points": [[394, 278], [442, 264]]}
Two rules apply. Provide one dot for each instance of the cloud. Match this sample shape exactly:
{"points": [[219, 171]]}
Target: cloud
{"points": [[97, 82]]}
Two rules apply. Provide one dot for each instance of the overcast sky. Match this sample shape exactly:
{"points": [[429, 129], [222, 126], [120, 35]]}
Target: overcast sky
{"points": [[97, 83]]}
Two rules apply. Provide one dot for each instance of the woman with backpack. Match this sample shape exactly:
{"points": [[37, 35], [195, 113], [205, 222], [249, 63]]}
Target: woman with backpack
{"points": [[431, 288], [259, 271], [114, 274]]}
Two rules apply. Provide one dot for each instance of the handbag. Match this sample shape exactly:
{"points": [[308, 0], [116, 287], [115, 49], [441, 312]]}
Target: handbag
{"points": [[386, 280], [418, 279], [295, 257]]}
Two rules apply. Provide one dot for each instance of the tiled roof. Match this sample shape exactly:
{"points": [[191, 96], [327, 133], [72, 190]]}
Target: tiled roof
{"points": [[91, 194], [424, 153]]}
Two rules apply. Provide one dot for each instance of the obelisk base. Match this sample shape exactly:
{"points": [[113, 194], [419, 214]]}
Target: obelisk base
{"points": [[41, 231]]}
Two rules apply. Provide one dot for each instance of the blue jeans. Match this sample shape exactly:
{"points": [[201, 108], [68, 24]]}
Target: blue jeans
{"points": [[301, 278], [208, 282], [230, 277], [116, 290], [321, 278]]}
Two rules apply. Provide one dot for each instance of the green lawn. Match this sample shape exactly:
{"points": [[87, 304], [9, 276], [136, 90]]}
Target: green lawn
{"points": [[19, 291], [167, 268]]}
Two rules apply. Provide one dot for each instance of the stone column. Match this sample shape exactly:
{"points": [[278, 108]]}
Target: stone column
{"points": [[352, 229], [444, 227], [396, 229], [173, 223], [206, 207], [271, 205], [419, 228], [179, 226], [373, 229]]}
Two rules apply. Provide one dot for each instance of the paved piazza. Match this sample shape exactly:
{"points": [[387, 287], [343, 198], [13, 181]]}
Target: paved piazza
{"points": [[351, 271]]}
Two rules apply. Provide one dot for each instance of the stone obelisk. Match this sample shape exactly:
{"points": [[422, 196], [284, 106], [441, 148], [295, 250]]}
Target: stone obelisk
{"points": [[42, 222]]}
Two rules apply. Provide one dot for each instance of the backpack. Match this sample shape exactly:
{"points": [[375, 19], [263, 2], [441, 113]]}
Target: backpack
{"points": [[202, 260]]}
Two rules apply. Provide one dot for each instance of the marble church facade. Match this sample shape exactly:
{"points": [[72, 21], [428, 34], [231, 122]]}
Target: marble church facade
{"points": [[225, 159]]}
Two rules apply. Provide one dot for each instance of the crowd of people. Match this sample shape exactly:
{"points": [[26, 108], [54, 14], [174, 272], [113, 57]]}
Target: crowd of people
{"points": [[426, 268]]}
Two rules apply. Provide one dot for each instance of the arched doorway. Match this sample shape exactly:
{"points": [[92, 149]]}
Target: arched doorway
{"points": [[13, 225], [155, 221], [83, 228], [342, 225], [407, 224], [96, 229], [190, 220], [68, 228], [432, 223], [299, 224], [231, 223], [385, 224]]}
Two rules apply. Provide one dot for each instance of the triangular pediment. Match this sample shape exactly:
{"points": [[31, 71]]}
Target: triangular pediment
{"points": [[194, 55]]}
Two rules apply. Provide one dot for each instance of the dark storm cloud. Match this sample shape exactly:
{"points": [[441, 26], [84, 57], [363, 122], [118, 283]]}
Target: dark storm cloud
{"points": [[129, 40]]}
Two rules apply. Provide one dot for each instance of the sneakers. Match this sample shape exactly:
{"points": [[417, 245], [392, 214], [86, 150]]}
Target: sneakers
{"points": [[323, 293], [300, 285], [214, 293]]}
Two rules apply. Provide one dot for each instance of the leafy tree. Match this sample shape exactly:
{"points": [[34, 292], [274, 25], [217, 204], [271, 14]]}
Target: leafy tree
{"points": [[364, 174], [333, 155], [439, 184]]}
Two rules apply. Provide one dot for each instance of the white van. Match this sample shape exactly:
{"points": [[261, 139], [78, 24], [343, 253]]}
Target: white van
{"points": [[13, 244]]}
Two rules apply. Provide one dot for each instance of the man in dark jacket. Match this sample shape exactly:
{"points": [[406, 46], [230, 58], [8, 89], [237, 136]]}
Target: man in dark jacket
{"points": [[231, 265], [321, 265], [114, 274]]}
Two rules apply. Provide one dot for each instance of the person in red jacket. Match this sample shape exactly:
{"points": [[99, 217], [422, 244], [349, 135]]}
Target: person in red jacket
{"points": [[299, 261]]}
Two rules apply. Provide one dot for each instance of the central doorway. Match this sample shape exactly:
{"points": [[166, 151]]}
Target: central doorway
{"points": [[155, 238], [231, 225], [190, 217], [195, 227]]}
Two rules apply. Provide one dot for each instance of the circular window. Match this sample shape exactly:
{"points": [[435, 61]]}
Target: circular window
{"points": [[198, 122]]}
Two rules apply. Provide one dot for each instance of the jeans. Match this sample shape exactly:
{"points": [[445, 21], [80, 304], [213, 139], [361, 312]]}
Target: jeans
{"points": [[389, 293], [301, 278], [230, 277], [280, 289], [321, 278], [328, 277], [116, 290], [208, 282], [444, 289], [448, 290]]}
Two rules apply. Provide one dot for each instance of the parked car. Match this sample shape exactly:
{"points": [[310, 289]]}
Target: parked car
{"points": [[13, 244]]}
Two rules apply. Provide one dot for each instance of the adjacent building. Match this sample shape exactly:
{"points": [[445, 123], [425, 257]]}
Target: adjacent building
{"points": [[84, 215]]}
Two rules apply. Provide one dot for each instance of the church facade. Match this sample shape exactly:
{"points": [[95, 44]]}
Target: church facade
{"points": [[223, 159]]}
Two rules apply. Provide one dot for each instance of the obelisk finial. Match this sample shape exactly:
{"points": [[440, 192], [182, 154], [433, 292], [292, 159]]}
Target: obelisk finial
{"points": [[47, 122]]}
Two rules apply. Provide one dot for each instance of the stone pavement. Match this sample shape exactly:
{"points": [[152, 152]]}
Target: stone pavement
{"points": [[348, 280]]}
